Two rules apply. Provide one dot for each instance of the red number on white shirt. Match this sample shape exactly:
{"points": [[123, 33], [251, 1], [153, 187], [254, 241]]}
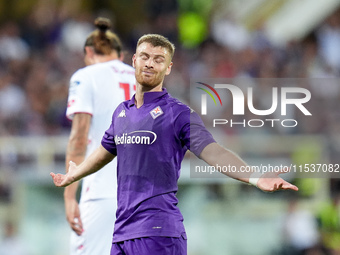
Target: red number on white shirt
{"points": [[126, 87]]}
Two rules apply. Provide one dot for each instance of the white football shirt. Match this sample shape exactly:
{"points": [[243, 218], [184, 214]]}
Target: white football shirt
{"points": [[97, 90]]}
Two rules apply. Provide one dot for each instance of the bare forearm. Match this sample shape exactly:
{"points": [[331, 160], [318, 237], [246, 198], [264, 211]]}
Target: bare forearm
{"points": [[76, 147], [99, 158], [216, 155], [76, 151]]}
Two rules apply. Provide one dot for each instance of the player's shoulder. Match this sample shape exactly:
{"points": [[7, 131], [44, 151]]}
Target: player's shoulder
{"points": [[125, 104], [121, 109], [114, 65], [95, 68], [120, 67], [86, 72], [177, 105], [123, 66], [79, 73]]}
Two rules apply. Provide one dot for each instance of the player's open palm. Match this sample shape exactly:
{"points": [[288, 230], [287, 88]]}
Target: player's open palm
{"points": [[271, 182], [63, 180]]}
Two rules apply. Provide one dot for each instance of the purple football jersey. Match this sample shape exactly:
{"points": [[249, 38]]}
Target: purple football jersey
{"points": [[150, 143]]}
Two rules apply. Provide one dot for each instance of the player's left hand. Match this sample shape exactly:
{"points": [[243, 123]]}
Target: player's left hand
{"points": [[271, 182]]}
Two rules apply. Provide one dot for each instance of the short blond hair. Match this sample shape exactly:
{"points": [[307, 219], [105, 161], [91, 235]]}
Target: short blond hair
{"points": [[158, 41]]}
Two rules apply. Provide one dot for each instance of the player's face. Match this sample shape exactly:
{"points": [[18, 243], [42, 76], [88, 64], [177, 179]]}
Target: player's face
{"points": [[151, 64]]}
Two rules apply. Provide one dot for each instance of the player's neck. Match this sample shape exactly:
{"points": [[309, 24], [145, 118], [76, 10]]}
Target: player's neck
{"points": [[139, 97]]}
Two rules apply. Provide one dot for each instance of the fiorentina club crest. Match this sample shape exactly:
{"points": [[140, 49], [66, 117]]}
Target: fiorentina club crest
{"points": [[156, 112]]}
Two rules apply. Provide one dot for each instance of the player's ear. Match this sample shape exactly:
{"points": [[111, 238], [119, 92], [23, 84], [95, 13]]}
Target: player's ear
{"points": [[133, 60], [168, 70], [89, 51]]}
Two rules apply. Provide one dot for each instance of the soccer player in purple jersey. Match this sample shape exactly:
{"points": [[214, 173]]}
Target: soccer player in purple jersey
{"points": [[149, 135]]}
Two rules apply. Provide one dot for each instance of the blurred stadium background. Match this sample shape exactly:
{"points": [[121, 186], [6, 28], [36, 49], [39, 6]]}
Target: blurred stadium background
{"points": [[41, 45]]}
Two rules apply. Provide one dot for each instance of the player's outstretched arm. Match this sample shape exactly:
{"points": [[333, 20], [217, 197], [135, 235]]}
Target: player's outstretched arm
{"points": [[215, 155], [99, 158]]}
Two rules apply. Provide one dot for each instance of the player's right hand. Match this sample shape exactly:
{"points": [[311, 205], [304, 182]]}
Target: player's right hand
{"points": [[63, 180]]}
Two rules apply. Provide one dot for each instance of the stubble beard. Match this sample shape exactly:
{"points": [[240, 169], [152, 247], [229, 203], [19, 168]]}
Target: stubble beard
{"points": [[147, 83]]}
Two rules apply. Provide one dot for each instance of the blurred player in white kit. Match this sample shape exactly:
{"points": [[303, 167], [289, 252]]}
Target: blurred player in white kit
{"points": [[94, 93]]}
